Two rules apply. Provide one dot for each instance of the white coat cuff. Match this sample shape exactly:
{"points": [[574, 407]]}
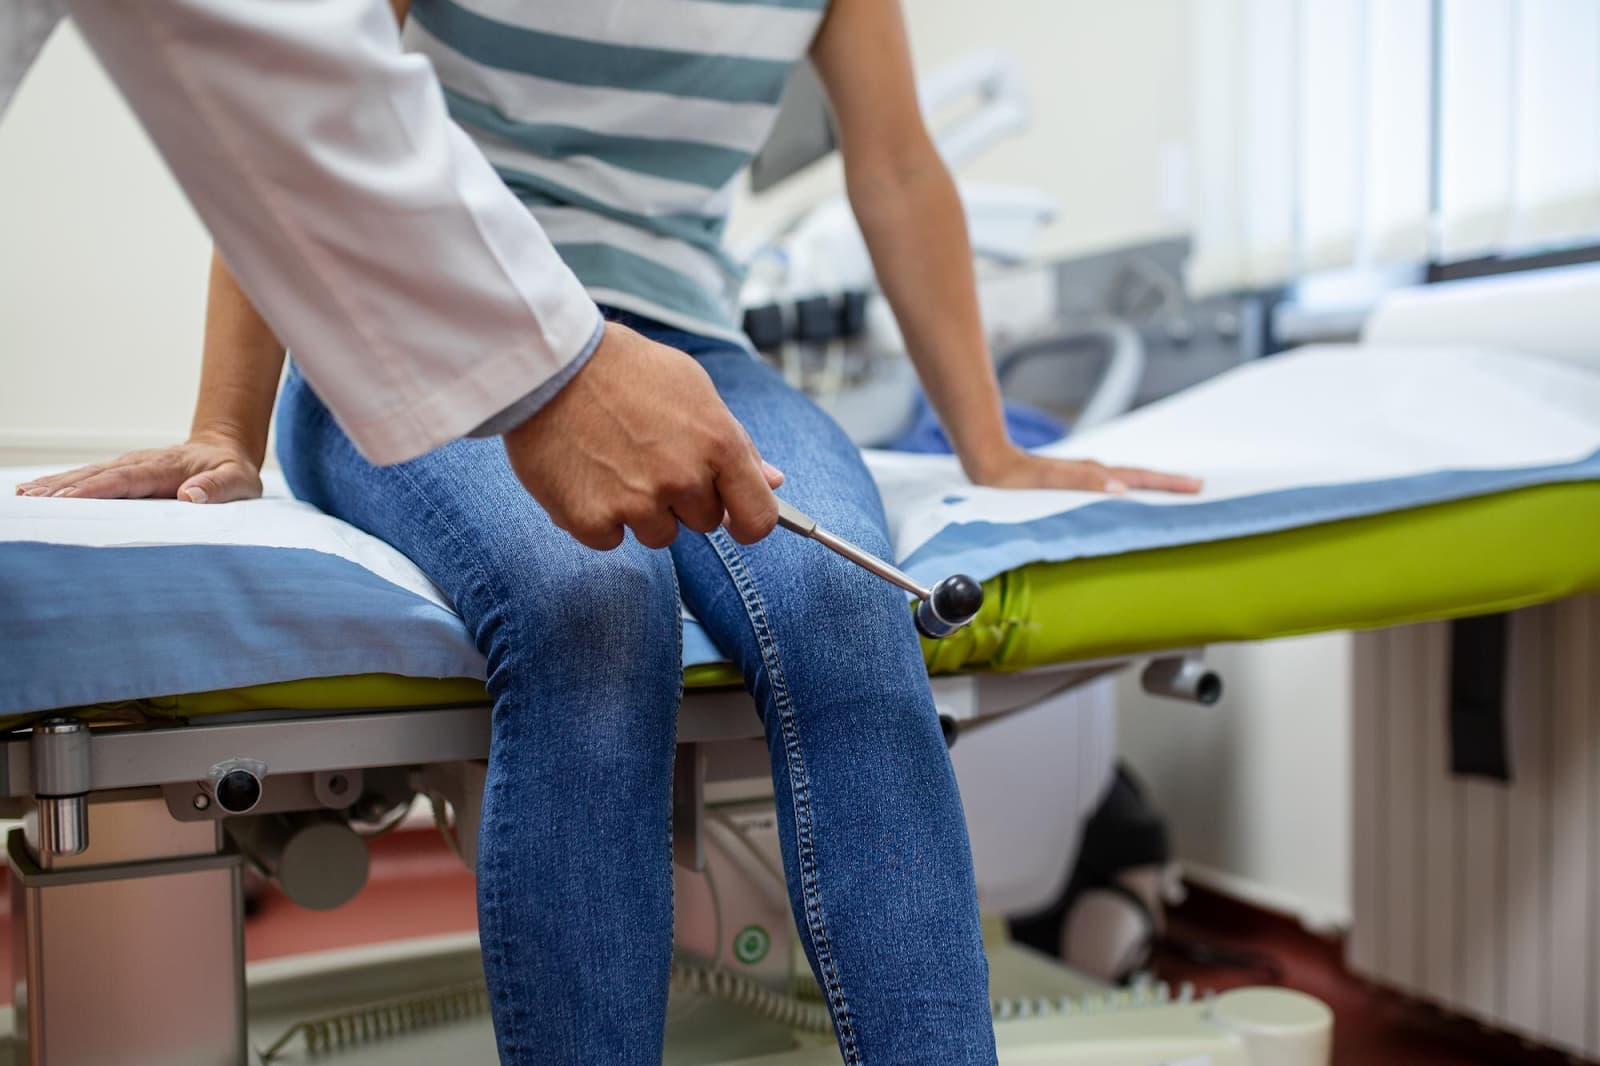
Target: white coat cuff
{"points": [[529, 405]]}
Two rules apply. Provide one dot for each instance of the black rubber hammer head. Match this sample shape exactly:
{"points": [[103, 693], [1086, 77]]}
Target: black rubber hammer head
{"points": [[952, 604]]}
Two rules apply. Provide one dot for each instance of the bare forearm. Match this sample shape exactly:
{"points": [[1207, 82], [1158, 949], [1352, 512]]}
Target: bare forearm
{"points": [[239, 371], [915, 228], [913, 222]]}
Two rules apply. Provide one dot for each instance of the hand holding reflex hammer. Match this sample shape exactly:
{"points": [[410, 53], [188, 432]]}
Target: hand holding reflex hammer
{"points": [[640, 439]]}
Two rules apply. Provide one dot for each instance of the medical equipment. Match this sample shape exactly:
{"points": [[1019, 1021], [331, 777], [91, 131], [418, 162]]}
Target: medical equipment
{"points": [[1185, 340], [810, 294], [1107, 917], [822, 251], [1084, 338], [951, 604]]}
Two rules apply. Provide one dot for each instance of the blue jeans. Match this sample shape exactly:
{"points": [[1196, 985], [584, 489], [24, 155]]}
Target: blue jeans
{"points": [[583, 648]]}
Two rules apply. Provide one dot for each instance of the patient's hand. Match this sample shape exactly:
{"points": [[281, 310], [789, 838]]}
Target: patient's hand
{"points": [[1018, 469], [201, 470]]}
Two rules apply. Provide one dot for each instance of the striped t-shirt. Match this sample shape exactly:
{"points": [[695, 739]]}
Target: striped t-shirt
{"points": [[622, 124]]}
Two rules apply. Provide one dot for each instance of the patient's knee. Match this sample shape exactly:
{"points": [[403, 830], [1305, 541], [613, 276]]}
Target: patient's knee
{"points": [[850, 665], [595, 611], [611, 597], [836, 610]]}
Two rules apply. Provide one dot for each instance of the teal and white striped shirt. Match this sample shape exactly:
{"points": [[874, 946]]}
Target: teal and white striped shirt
{"points": [[623, 124]]}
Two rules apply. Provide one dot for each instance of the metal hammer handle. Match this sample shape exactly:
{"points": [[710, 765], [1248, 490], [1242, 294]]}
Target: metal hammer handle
{"points": [[797, 521]]}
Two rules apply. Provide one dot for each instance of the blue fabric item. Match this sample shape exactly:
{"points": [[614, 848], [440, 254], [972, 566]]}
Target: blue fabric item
{"points": [[85, 625], [585, 672], [1119, 526], [1028, 426]]}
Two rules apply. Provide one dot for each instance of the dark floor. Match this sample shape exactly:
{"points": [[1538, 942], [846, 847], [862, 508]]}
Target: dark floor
{"points": [[1371, 1026], [418, 888]]}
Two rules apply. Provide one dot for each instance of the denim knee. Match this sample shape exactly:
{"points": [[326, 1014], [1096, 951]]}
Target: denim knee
{"points": [[579, 628], [548, 598], [841, 632]]}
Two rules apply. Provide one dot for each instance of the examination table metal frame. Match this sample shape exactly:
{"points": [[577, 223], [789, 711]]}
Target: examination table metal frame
{"points": [[132, 949]]}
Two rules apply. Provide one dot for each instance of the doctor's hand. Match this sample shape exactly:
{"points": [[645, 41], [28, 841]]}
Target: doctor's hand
{"points": [[640, 439], [204, 469], [1015, 468]]}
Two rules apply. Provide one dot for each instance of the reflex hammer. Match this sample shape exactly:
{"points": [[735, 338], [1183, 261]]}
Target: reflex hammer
{"points": [[948, 606]]}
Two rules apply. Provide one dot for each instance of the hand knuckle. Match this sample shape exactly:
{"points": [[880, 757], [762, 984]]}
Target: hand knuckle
{"points": [[680, 482], [703, 520], [726, 444], [576, 520], [600, 536], [561, 518], [657, 537]]}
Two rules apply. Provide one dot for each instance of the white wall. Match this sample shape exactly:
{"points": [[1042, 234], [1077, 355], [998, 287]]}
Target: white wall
{"points": [[102, 271], [1256, 790], [1110, 94]]}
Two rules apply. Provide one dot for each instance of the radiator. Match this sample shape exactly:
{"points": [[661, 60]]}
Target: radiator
{"points": [[1481, 896]]}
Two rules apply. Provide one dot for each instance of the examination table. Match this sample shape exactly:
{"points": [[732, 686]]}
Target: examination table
{"points": [[167, 666]]}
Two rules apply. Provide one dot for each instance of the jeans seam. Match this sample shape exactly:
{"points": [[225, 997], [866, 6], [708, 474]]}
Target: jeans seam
{"points": [[672, 777], [799, 789]]}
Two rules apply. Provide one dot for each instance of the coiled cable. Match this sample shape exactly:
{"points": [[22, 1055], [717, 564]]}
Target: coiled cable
{"points": [[343, 1030], [719, 983]]}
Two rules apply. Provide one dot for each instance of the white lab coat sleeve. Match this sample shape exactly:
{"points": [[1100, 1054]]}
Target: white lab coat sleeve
{"points": [[417, 295]]}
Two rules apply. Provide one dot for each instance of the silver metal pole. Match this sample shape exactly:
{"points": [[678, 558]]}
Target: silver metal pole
{"points": [[62, 780]]}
